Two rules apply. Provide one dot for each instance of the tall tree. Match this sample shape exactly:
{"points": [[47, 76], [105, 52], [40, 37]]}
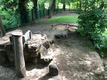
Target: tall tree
{"points": [[52, 8], [86, 3], [80, 4], [23, 12], [2, 27], [35, 2], [64, 4]]}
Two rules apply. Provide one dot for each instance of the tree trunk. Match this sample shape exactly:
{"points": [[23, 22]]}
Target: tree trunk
{"points": [[52, 8], [64, 5], [2, 27], [80, 4], [77, 5], [69, 5], [23, 12], [35, 2], [86, 2]]}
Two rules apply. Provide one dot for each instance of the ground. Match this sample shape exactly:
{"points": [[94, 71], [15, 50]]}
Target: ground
{"points": [[74, 55]]}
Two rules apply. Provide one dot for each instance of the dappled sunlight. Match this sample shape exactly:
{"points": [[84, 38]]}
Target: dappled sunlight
{"points": [[36, 72], [86, 63]]}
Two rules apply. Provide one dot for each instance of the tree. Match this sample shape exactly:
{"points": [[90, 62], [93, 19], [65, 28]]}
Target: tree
{"points": [[23, 12], [63, 4], [35, 2], [86, 3], [52, 8], [2, 27], [80, 4]]}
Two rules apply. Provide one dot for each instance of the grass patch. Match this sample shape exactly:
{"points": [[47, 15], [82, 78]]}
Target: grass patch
{"points": [[59, 19]]}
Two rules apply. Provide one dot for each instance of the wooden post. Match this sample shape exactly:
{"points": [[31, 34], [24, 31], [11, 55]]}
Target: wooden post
{"points": [[19, 56]]}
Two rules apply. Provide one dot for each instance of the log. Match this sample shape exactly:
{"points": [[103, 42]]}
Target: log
{"points": [[19, 56]]}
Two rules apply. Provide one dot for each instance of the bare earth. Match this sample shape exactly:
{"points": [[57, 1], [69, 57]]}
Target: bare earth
{"points": [[75, 57]]}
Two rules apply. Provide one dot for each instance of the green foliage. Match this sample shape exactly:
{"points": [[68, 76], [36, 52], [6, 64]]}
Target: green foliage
{"points": [[92, 25], [10, 20], [79, 11], [95, 4], [9, 13]]}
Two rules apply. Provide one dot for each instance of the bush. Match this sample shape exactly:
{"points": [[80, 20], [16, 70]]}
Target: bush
{"points": [[79, 11], [92, 25], [9, 13], [10, 19]]}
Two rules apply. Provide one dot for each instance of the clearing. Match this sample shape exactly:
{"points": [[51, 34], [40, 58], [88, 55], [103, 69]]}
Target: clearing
{"points": [[75, 56]]}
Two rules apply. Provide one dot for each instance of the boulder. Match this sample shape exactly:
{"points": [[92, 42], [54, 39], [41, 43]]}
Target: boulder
{"points": [[53, 70]]}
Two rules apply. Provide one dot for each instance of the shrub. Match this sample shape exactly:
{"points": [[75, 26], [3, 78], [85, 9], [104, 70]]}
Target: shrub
{"points": [[92, 25], [10, 19]]}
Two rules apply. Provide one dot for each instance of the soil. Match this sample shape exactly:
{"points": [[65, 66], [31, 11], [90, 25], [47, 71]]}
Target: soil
{"points": [[74, 56]]}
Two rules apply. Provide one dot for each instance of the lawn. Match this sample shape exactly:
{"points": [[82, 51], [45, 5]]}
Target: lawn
{"points": [[59, 19]]}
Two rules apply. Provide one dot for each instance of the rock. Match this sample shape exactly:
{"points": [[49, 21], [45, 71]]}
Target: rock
{"points": [[39, 37], [3, 52], [8, 47], [62, 34], [46, 60], [33, 48], [35, 54], [65, 33], [2, 60], [46, 44], [4, 40], [2, 45], [10, 52], [53, 70], [35, 60], [43, 51]]}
